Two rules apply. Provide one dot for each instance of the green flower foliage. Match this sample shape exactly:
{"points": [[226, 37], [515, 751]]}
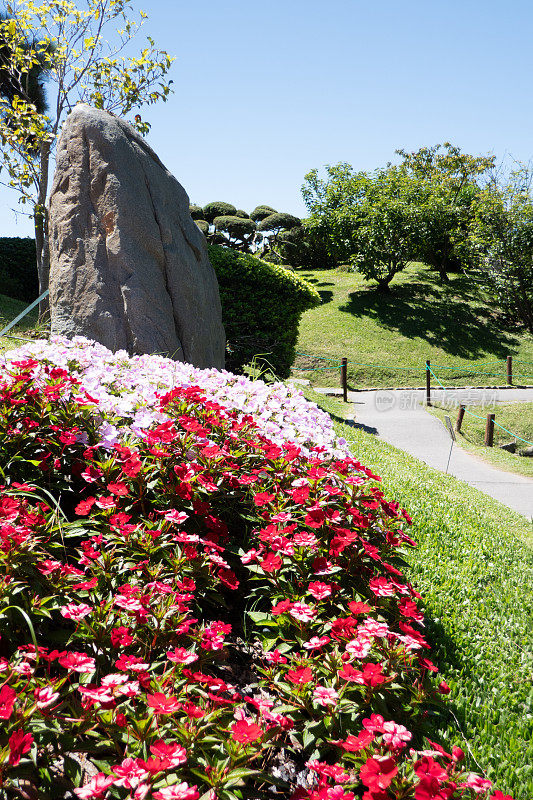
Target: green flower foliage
{"points": [[261, 308], [260, 212], [197, 212], [218, 209], [18, 275]]}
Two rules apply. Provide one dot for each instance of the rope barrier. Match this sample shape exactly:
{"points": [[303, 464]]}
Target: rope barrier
{"points": [[467, 411]]}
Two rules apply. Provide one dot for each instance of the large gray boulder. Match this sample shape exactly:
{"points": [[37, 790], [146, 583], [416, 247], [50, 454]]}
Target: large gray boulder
{"points": [[129, 267]]}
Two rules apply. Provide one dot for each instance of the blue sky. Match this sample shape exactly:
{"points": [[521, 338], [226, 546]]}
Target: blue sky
{"points": [[266, 91]]}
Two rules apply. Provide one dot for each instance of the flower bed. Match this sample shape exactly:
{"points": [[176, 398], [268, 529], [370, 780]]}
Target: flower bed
{"points": [[191, 609]]}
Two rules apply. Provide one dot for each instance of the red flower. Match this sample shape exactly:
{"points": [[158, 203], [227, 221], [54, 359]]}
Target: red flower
{"points": [[378, 772], [228, 578], [271, 563], [84, 508], [245, 732], [162, 704], [300, 676], [281, 607], [358, 608], [443, 688], [7, 701], [352, 744], [262, 498], [315, 516], [19, 743], [119, 489]]}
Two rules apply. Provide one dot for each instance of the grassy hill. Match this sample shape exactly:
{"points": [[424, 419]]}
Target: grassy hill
{"points": [[9, 309], [452, 325]]}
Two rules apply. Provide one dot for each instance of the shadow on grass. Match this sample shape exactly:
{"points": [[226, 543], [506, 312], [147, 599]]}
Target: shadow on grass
{"points": [[450, 317]]}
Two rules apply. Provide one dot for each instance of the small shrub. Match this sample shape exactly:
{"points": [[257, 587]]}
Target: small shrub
{"points": [[278, 221], [261, 307]]}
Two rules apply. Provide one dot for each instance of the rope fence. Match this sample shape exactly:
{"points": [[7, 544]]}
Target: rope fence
{"points": [[506, 365]]}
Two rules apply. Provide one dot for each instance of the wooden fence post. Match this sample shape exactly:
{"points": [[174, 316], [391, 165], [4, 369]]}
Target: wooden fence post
{"points": [[489, 430], [344, 379], [460, 416], [428, 385], [510, 370]]}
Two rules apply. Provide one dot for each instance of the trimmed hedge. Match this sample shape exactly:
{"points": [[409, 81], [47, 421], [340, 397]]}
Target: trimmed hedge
{"points": [[18, 268], [261, 308]]}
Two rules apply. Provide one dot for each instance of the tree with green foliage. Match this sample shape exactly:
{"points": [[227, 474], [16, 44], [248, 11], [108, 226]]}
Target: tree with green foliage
{"points": [[446, 182], [502, 235], [68, 42], [386, 225], [331, 202]]}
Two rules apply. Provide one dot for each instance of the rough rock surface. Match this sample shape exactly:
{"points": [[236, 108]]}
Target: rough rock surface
{"points": [[129, 268]]}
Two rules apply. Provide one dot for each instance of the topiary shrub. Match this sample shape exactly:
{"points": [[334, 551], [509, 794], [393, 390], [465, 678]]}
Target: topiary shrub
{"points": [[203, 225], [261, 308], [218, 209], [279, 221], [240, 232], [242, 214], [197, 212], [18, 270], [260, 212]]}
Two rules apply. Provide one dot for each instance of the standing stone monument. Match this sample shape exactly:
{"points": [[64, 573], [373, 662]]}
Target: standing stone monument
{"points": [[128, 266]]}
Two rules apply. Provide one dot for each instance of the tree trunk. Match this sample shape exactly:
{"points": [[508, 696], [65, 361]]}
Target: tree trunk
{"points": [[42, 246]]}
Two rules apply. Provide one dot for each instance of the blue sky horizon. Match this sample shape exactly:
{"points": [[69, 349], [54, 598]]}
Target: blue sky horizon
{"points": [[264, 94]]}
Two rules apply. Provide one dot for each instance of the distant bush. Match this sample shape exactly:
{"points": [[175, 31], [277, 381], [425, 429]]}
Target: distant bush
{"points": [[279, 221], [18, 270], [261, 308], [218, 209], [242, 214]]}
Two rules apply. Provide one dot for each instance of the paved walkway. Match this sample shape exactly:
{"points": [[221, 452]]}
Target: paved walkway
{"points": [[399, 417]]}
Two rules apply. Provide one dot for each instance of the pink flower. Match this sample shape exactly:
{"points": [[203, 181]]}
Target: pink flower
{"points": [[180, 791], [95, 787], [302, 612], [320, 590], [381, 587], [395, 735], [316, 643], [45, 697], [359, 648], [477, 783], [77, 662], [325, 696], [72, 611], [181, 656], [130, 773], [275, 657]]}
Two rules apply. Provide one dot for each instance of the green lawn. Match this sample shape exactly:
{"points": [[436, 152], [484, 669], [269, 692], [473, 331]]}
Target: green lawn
{"points": [[9, 309], [474, 568], [451, 325], [516, 417]]}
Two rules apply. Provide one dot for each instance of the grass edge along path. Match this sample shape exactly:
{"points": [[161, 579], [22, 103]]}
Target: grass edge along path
{"points": [[474, 568], [471, 436]]}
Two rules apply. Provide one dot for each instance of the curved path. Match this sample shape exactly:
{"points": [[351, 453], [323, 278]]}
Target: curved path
{"points": [[399, 417]]}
